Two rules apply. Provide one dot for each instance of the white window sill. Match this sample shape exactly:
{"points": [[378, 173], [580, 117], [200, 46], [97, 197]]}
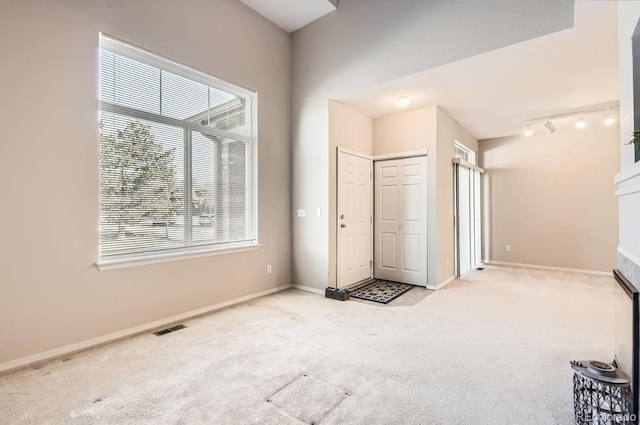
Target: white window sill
{"points": [[173, 256]]}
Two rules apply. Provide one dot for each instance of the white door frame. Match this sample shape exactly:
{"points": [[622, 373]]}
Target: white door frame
{"points": [[398, 155], [476, 208], [339, 151], [401, 155]]}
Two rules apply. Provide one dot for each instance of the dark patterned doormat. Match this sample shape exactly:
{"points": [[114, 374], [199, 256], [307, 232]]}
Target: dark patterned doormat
{"points": [[381, 291]]}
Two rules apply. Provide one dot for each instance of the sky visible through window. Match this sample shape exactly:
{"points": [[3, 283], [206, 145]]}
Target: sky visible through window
{"points": [[134, 84]]}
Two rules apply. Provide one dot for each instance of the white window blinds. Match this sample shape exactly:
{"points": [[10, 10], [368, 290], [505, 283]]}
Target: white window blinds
{"points": [[177, 157]]}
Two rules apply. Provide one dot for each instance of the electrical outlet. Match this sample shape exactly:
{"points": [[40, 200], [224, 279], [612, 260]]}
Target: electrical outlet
{"points": [[508, 248], [269, 268], [447, 261]]}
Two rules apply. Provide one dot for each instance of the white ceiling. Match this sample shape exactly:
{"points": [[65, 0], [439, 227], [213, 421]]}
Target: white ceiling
{"points": [[493, 94], [291, 15]]}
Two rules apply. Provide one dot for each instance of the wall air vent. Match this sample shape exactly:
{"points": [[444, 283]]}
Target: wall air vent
{"points": [[169, 330]]}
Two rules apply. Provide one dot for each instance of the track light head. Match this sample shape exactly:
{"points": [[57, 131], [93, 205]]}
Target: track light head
{"points": [[608, 118], [581, 123], [550, 127], [527, 130]]}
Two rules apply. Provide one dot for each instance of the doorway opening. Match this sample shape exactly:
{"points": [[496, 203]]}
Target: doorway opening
{"points": [[467, 213], [381, 219]]}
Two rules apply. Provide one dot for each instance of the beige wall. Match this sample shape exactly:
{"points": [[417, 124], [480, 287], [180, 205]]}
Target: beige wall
{"points": [[448, 131], [51, 293], [552, 198], [405, 132], [351, 130]]}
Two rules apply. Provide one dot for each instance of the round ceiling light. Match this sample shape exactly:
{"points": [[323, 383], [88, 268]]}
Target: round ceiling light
{"points": [[402, 101]]}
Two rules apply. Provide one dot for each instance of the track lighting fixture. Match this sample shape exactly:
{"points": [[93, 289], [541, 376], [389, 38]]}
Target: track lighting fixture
{"points": [[550, 127], [563, 119]]}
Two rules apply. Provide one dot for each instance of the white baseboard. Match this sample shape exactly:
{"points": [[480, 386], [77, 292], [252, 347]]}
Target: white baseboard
{"points": [[93, 342], [308, 289], [441, 284], [562, 269]]}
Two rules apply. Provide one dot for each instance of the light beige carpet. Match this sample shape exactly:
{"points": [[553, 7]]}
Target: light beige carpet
{"points": [[491, 348]]}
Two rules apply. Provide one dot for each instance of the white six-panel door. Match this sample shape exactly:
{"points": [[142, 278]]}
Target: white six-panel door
{"points": [[354, 218], [400, 241]]}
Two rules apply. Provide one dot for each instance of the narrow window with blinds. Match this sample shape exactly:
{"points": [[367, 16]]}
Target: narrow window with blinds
{"points": [[177, 158]]}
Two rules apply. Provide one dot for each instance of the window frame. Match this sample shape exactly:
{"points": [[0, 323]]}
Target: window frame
{"points": [[189, 248], [469, 153]]}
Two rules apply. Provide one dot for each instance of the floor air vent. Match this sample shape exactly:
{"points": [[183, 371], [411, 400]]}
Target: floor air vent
{"points": [[169, 330]]}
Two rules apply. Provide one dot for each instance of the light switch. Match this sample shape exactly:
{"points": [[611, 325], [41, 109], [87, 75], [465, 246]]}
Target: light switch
{"points": [[302, 213]]}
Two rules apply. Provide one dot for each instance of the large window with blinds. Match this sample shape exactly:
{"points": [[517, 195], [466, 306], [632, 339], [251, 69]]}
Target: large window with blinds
{"points": [[177, 158]]}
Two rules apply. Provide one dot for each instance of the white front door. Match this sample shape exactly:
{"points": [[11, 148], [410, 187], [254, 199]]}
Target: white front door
{"points": [[401, 220], [354, 218]]}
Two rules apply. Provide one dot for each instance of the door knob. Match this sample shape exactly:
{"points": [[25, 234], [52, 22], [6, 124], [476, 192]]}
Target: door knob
{"points": [[343, 225]]}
